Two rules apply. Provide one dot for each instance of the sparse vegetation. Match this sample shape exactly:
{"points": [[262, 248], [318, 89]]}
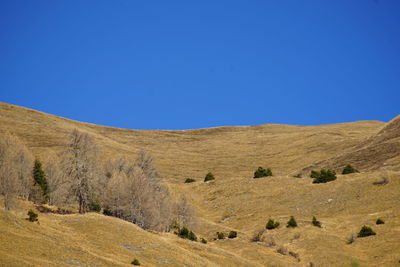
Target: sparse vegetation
{"points": [[366, 231], [271, 224], [380, 221], [297, 175], [232, 234], [315, 222], [384, 180], [270, 241], [203, 240], [258, 236], [282, 250], [294, 255], [351, 239], [135, 262], [189, 180], [209, 177], [261, 172], [291, 223], [323, 176], [349, 169], [32, 216]]}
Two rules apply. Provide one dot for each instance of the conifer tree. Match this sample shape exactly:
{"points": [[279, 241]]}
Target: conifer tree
{"points": [[39, 178]]}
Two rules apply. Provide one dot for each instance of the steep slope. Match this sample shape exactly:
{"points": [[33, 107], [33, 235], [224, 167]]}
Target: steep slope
{"points": [[380, 150], [226, 151]]}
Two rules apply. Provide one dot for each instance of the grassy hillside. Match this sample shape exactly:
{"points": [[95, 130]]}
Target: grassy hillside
{"points": [[97, 240], [234, 201], [226, 151]]}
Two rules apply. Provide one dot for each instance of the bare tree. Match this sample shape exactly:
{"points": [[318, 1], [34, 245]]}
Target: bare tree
{"points": [[56, 181], [80, 167], [15, 169], [184, 213], [24, 164], [146, 162]]}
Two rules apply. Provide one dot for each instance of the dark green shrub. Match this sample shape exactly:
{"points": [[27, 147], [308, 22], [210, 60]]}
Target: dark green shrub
{"points": [[261, 172], [33, 217], [189, 180], [315, 174], [135, 262], [94, 206], [324, 176], [192, 236], [380, 221], [349, 169], [107, 212], [315, 222], [271, 224], [220, 235], [232, 234], [183, 232], [186, 234], [292, 222], [209, 177], [203, 240], [366, 231]]}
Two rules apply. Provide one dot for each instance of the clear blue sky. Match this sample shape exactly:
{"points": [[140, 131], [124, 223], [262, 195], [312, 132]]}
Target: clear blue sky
{"points": [[192, 64]]}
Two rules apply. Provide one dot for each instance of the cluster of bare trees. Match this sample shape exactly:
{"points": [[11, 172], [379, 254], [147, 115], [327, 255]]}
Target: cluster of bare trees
{"points": [[135, 193], [15, 169], [127, 189]]}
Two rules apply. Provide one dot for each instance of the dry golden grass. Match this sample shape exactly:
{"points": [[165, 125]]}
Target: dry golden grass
{"points": [[234, 201]]}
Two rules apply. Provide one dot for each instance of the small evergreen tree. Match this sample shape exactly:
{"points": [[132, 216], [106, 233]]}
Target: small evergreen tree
{"points": [[261, 172], [192, 236], [291, 223], [135, 262], [33, 217], [189, 180], [271, 224], [40, 181], [349, 169], [380, 221], [366, 231], [315, 222], [232, 234], [209, 177]]}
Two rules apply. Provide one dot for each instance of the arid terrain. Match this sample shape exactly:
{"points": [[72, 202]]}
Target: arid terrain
{"points": [[233, 201]]}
